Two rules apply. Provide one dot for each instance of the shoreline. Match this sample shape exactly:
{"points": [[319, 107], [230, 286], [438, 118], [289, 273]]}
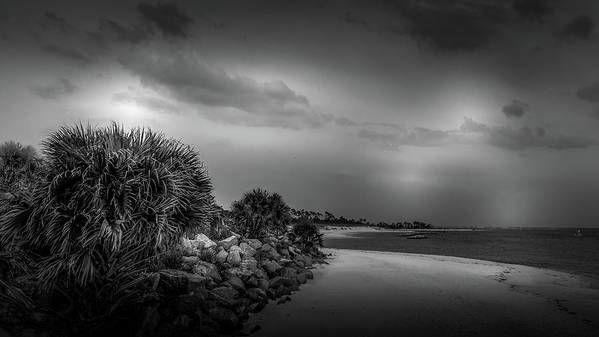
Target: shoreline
{"points": [[365, 293], [480, 245]]}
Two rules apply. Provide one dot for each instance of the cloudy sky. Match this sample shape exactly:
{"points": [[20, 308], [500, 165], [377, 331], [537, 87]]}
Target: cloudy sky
{"points": [[454, 112]]}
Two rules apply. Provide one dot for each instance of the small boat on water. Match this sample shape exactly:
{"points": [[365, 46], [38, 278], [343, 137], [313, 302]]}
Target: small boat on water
{"points": [[417, 237], [578, 233]]}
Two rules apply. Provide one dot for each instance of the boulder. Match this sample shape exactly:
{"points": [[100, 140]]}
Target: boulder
{"points": [[205, 241], [256, 294], [278, 281], [271, 267], [225, 317], [228, 242], [288, 272], [191, 260], [251, 282], [236, 283], [247, 250], [207, 269], [254, 243], [308, 274], [301, 278], [226, 296], [173, 281], [188, 304], [249, 264], [256, 307], [221, 256], [234, 258], [263, 284]]}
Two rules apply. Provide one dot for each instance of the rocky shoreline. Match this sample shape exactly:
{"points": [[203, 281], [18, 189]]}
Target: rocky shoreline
{"points": [[220, 283]]}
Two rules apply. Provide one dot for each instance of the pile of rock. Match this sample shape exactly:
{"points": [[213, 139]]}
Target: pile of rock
{"points": [[220, 283]]}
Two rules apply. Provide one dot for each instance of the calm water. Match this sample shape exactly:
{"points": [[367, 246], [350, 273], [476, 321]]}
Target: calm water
{"points": [[547, 248]]}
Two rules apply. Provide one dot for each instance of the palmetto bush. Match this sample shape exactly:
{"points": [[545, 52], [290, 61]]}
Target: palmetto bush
{"points": [[260, 213], [110, 198], [306, 234], [19, 167]]}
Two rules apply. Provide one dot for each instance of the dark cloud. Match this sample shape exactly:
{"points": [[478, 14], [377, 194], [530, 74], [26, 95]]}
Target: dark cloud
{"points": [[190, 80], [116, 31], [67, 53], [532, 10], [167, 17], [520, 138], [53, 22], [581, 27], [515, 109], [589, 93], [54, 90], [391, 136], [452, 25]]}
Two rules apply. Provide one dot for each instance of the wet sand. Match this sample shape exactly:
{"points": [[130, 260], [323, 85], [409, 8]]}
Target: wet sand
{"points": [[364, 293]]}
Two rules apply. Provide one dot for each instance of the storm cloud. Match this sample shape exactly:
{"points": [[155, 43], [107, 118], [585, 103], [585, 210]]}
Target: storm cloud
{"points": [[515, 109], [581, 27], [186, 77], [589, 93], [54, 90], [167, 17], [67, 53]]}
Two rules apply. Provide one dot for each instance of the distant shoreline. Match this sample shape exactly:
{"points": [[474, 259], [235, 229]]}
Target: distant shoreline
{"points": [[555, 249]]}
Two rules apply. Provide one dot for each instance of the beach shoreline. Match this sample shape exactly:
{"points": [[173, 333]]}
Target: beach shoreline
{"points": [[366, 293]]}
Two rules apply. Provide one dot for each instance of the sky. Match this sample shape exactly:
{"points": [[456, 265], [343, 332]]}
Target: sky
{"points": [[453, 112]]}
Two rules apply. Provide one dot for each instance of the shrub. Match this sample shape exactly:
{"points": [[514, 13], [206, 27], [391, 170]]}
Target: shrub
{"points": [[109, 202], [260, 213], [19, 167], [306, 234]]}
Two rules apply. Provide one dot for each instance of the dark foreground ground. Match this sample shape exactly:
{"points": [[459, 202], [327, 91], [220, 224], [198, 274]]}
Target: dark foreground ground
{"points": [[556, 249]]}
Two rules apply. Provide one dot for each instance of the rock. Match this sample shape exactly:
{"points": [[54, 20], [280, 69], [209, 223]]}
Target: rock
{"points": [[207, 269], [247, 250], [283, 251], [254, 243], [260, 273], [225, 296], [173, 281], [221, 256], [256, 294], [271, 267], [228, 242], [182, 321], [188, 304], [308, 273], [249, 264], [263, 284], [301, 278], [195, 245], [278, 281], [288, 272], [205, 241], [236, 283], [251, 282], [256, 307], [284, 300], [190, 259], [234, 258], [225, 317]]}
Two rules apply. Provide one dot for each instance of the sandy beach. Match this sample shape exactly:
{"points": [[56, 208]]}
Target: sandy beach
{"points": [[364, 293]]}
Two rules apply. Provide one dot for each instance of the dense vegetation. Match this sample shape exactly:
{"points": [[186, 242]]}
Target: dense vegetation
{"points": [[110, 231], [260, 213], [108, 203], [306, 234]]}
